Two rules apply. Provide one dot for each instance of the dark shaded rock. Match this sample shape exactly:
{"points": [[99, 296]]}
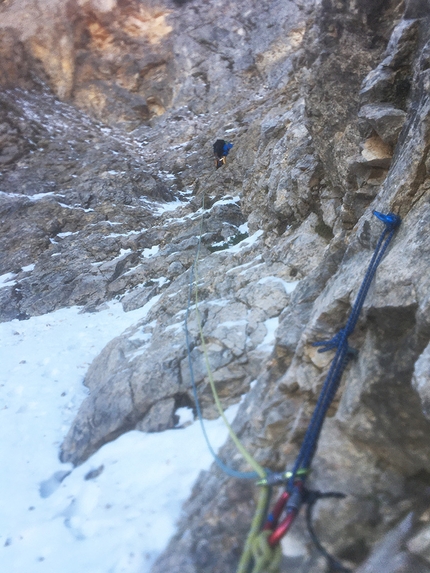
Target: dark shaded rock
{"points": [[17, 68], [390, 81], [389, 554], [160, 417], [60, 215], [385, 119]]}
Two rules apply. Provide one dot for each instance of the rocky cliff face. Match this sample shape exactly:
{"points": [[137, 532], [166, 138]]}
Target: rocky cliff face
{"points": [[108, 113]]}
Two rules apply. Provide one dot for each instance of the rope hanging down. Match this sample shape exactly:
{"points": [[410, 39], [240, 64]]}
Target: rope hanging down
{"points": [[252, 550], [262, 545], [295, 493], [258, 470]]}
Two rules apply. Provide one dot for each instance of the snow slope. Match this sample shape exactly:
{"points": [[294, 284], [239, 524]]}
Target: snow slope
{"points": [[116, 512]]}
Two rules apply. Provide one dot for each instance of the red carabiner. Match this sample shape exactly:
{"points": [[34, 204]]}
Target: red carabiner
{"points": [[273, 517], [282, 528], [290, 501]]}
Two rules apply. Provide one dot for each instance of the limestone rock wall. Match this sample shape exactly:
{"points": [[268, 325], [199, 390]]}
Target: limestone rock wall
{"points": [[327, 104], [111, 58]]}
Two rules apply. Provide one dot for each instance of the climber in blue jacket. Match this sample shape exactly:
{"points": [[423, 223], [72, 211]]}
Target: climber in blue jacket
{"points": [[221, 149]]}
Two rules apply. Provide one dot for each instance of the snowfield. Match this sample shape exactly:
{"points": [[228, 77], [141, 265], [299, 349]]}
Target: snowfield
{"points": [[116, 512]]}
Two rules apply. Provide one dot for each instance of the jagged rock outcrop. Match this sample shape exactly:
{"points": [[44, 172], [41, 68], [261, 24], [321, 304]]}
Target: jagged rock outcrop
{"points": [[327, 106], [374, 447], [239, 311]]}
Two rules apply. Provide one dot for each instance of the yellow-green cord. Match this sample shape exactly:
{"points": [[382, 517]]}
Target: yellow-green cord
{"points": [[256, 525], [257, 549], [251, 461]]}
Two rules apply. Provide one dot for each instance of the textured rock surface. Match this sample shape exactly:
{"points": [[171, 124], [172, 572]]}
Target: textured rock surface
{"points": [[328, 109]]}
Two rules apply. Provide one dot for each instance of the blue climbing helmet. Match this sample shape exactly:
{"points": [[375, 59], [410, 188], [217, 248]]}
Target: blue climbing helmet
{"points": [[226, 148]]}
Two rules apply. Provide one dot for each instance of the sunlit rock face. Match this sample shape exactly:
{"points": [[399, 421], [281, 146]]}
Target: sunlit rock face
{"points": [[108, 113], [113, 59]]}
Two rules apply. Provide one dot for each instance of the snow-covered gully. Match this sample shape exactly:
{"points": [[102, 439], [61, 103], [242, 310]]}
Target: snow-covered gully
{"points": [[115, 512]]}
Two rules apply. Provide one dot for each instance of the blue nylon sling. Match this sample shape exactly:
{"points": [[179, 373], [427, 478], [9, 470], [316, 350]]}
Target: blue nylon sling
{"points": [[343, 350]]}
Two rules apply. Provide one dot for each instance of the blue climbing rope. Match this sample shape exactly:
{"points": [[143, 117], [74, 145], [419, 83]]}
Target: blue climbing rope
{"points": [[259, 471], [225, 468], [295, 492], [343, 351]]}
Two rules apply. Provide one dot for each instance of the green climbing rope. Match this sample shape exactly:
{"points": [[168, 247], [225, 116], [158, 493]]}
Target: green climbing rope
{"points": [[257, 549], [246, 455]]}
